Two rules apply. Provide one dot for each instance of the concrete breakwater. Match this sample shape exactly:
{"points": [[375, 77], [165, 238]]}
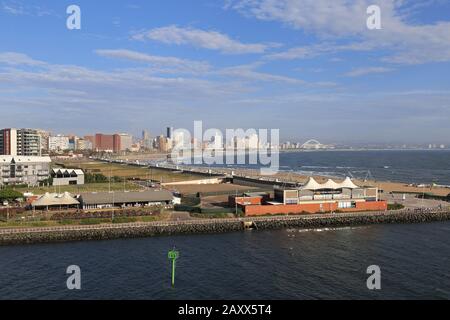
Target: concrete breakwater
{"points": [[139, 230]]}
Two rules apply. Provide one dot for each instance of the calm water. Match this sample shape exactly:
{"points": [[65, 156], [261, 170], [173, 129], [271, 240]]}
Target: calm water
{"points": [[421, 166], [285, 264]]}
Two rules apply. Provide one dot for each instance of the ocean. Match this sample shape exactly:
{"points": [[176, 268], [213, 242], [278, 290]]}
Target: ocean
{"points": [[409, 166], [286, 264]]}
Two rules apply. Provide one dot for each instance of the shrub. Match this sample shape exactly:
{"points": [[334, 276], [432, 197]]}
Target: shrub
{"points": [[395, 206], [93, 221], [124, 220], [95, 178]]}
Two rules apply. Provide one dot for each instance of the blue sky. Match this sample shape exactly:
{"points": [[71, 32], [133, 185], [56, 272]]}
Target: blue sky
{"points": [[308, 67]]}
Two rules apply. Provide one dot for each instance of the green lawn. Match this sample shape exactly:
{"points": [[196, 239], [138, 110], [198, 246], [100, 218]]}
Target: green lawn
{"points": [[75, 222], [127, 171]]}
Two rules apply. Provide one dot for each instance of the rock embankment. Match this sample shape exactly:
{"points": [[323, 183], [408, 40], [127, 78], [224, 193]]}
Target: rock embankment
{"points": [[151, 229]]}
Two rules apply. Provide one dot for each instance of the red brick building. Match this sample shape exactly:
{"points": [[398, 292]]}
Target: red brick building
{"points": [[107, 142], [313, 197]]}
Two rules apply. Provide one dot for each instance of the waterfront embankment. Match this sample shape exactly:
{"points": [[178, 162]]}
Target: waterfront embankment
{"points": [[151, 229]]}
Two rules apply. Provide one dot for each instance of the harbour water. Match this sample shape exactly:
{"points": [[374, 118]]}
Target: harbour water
{"points": [[285, 264]]}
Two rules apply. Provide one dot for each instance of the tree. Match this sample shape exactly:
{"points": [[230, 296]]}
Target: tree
{"points": [[9, 195], [95, 178]]}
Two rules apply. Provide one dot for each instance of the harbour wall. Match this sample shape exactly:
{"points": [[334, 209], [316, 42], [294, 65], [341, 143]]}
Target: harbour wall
{"points": [[151, 229]]}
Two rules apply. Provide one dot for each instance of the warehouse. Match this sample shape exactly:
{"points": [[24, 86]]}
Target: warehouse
{"points": [[102, 200]]}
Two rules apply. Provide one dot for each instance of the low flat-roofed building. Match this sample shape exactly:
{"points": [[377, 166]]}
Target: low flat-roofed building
{"points": [[102, 200], [24, 170], [66, 177], [314, 197]]}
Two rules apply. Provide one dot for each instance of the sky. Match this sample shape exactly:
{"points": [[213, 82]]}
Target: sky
{"points": [[311, 68]]}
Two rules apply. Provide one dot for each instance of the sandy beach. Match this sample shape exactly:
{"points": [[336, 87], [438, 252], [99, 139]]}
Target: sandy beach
{"points": [[386, 186]]}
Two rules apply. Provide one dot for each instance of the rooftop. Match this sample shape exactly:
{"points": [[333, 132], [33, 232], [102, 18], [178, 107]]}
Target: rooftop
{"points": [[126, 197]]}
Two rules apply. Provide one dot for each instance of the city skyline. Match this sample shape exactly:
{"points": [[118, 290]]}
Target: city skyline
{"points": [[312, 69]]}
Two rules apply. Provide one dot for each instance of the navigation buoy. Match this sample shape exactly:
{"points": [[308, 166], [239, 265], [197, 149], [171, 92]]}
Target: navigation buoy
{"points": [[173, 255]]}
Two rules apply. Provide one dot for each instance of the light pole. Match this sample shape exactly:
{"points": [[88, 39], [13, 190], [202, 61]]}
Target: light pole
{"points": [[112, 215]]}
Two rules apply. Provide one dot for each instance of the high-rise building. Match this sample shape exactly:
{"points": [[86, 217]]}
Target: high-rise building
{"points": [[146, 140], [126, 141], [91, 139], [169, 132], [83, 145], [22, 142], [44, 135], [162, 143], [107, 142], [58, 143], [178, 140], [252, 141], [28, 143], [113, 142], [217, 142], [8, 142]]}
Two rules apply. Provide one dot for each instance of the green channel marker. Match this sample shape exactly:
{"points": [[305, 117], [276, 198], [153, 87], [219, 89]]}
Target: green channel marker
{"points": [[173, 255]]}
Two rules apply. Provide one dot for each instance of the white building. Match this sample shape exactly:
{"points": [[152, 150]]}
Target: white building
{"points": [[66, 177], [126, 141], [24, 170], [83, 144], [58, 143], [252, 142]]}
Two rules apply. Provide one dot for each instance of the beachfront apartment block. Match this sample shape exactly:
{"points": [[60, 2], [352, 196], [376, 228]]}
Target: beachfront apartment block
{"points": [[24, 170], [58, 143], [20, 142]]}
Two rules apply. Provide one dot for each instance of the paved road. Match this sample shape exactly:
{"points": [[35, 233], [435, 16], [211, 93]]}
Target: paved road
{"points": [[411, 201]]}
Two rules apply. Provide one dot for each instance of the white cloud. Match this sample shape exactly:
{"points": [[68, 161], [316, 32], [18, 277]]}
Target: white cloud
{"points": [[369, 70], [211, 40], [399, 41], [14, 59], [18, 8], [248, 72], [175, 64]]}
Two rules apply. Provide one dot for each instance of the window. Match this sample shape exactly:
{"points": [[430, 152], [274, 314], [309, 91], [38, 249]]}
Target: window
{"points": [[347, 205]]}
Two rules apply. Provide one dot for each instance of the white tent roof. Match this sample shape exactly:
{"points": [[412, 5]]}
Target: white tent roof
{"points": [[48, 199], [348, 184], [330, 184], [312, 185]]}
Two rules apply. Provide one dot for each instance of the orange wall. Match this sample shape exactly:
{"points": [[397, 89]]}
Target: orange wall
{"points": [[255, 210]]}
